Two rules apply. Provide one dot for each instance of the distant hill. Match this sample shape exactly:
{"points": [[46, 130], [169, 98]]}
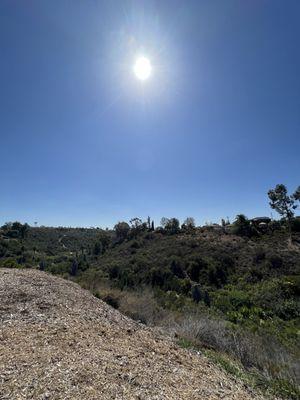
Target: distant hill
{"points": [[60, 342]]}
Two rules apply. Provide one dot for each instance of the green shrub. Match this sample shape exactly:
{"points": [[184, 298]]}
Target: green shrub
{"points": [[259, 255], [228, 300], [295, 226], [275, 261], [217, 275], [177, 268], [9, 263], [196, 294], [114, 271]]}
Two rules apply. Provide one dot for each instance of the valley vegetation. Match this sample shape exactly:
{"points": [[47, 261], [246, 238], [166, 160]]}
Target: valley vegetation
{"points": [[231, 290]]}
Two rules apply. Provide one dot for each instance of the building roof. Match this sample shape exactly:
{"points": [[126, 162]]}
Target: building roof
{"points": [[261, 219]]}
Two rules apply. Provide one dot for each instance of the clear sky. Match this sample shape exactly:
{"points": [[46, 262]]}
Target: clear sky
{"points": [[84, 143]]}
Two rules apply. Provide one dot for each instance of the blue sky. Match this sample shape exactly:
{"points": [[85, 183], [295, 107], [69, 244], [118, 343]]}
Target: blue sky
{"points": [[84, 143]]}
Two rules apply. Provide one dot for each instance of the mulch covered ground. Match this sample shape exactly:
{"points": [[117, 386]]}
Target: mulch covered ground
{"points": [[57, 341]]}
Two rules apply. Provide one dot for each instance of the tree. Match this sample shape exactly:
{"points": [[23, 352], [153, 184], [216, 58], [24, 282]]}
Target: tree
{"points": [[177, 268], [171, 225], [136, 223], [196, 294], [16, 229], [296, 195], [284, 204], [16, 226], [164, 221], [206, 299], [194, 270], [190, 222], [224, 222], [122, 229], [97, 248], [74, 267], [23, 230], [242, 225], [137, 226], [42, 265], [296, 225], [104, 240], [114, 271]]}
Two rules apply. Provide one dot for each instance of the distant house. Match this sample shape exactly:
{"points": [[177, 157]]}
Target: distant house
{"points": [[217, 227], [213, 227], [260, 222], [229, 228]]}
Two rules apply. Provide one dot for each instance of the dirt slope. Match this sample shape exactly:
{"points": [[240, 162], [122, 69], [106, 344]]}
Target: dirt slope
{"points": [[57, 341]]}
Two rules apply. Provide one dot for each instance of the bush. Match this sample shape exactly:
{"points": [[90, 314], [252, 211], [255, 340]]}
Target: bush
{"points": [[170, 225], [228, 300], [114, 272], [9, 263], [97, 248], [195, 267], [142, 306], [196, 294], [135, 244], [177, 268], [259, 255], [111, 300], [295, 225], [252, 350], [275, 261], [217, 275], [185, 286], [59, 268], [288, 309], [242, 226], [194, 270]]}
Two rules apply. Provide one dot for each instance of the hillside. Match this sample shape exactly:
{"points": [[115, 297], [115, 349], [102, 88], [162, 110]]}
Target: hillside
{"points": [[230, 295], [60, 342]]}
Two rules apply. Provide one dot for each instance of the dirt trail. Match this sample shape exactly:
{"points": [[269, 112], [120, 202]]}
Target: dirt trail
{"points": [[57, 342]]}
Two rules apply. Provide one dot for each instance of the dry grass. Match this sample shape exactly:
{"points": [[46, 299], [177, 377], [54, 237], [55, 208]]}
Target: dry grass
{"points": [[252, 350], [263, 353]]}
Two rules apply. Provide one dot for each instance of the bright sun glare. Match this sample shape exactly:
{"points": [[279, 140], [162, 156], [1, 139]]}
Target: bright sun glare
{"points": [[142, 68]]}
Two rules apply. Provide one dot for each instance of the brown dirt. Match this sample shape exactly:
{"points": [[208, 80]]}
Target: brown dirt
{"points": [[57, 341]]}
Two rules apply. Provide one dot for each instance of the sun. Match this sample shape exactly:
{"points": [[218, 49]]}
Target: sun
{"points": [[142, 68]]}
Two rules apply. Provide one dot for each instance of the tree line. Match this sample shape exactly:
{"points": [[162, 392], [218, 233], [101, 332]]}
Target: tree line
{"points": [[279, 200]]}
